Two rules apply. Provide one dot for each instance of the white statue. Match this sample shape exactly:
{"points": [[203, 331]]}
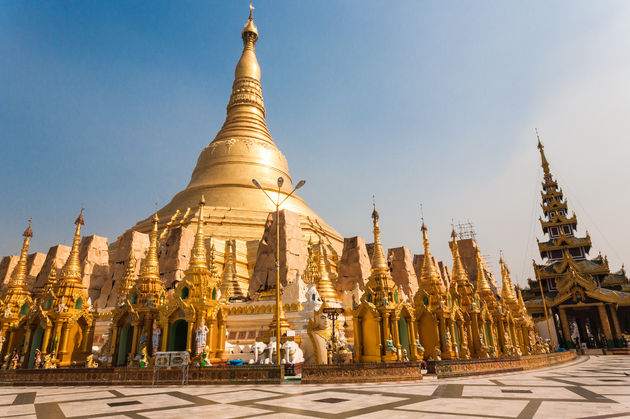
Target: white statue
{"points": [[155, 340], [259, 348], [271, 350], [292, 353], [202, 334]]}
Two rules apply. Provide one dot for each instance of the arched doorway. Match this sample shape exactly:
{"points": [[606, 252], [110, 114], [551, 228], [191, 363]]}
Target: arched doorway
{"points": [[178, 336], [124, 345], [403, 334], [35, 344]]}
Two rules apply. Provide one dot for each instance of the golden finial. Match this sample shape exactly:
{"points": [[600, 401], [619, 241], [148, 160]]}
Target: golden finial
{"points": [[378, 257], [150, 266], [198, 255], [18, 277], [543, 158], [507, 288], [227, 280], [250, 30], [128, 280], [482, 281], [429, 273], [324, 285], [71, 270], [459, 272]]}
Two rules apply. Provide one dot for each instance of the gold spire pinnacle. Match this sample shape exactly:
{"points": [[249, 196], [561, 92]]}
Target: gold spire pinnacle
{"points": [[18, 277], [378, 257], [248, 64], [543, 158], [198, 257], [521, 303], [71, 270], [150, 266], [127, 281], [483, 286], [507, 288], [229, 288], [324, 284], [459, 272], [429, 273]]}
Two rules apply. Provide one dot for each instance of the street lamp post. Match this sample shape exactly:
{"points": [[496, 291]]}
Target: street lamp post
{"points": [[277, 203]]}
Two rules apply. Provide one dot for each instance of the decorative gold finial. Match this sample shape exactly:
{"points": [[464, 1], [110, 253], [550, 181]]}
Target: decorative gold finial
{"points": [[429, 272], [150, 266], [71, 270], [482, 282], [459, 272], [378, 257], [543, 158], [507, 287], [324, 285], [198, 256], [18, 277]]}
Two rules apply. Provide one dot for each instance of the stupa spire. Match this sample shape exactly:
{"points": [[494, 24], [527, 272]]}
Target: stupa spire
{"points": [[483, 286], [18, 277], [150, 265], [198, 254], [459, 272], [507, 287], [324, 284], [71, 271], [429, 273], [128, 280], [378, 257], [543, 158]]}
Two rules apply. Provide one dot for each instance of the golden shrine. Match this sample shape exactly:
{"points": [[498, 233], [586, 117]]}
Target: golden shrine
{"points": [[217, 312], [383, 322], [585, 304]]}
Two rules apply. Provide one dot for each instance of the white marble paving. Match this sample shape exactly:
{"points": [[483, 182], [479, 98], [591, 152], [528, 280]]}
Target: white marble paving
{"points": [[536, 392], [7, 398], [17, 410], [214, 411], [510, 408], [239, 396], [351, 401], [563, 410], [94, 407]]}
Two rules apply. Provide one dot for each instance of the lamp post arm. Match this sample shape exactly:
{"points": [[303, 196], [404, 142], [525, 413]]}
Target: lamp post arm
{"points": [[265, 192], [287, 197]]}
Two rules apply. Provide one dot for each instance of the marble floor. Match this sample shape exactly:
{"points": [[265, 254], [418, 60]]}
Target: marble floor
{"points": [[590, 387]]}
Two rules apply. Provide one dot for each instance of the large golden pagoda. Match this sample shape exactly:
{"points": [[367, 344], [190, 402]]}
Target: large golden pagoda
{"points": [[242, 150]]}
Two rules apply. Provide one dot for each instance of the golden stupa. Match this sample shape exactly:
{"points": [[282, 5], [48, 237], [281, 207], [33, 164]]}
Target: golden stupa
{"points": [[242, 150]]}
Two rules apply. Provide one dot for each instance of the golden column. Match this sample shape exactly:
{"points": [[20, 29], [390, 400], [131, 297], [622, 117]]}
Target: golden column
{"points": [[277, 203]]}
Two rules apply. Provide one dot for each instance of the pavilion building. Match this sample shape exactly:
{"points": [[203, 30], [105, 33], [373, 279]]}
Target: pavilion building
{"points": [[587, 302]]}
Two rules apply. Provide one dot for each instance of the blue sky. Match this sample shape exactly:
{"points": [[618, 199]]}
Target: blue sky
{"points": [[109, 104]]}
